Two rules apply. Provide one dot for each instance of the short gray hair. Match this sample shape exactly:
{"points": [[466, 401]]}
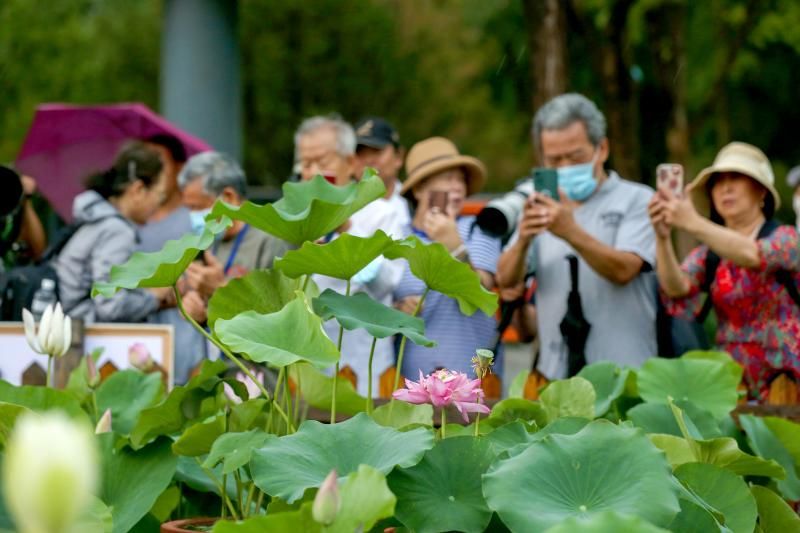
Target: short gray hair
{"points": [[563, 111], [345, 135], [217, 171]]}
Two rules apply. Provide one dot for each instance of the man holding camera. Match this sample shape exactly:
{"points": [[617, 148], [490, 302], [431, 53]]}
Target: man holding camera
{"points": [[599, 219]]}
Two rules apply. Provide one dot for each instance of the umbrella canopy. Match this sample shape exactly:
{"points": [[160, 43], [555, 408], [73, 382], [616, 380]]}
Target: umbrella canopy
{"points": [[574, 327], [66, 143]]}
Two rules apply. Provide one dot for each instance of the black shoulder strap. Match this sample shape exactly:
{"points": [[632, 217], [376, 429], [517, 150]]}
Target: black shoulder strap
{"points": [[712, 262]]}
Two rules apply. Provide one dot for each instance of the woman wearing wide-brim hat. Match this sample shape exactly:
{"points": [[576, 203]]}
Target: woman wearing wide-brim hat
{"points": [[439, 179], [729, 208]]}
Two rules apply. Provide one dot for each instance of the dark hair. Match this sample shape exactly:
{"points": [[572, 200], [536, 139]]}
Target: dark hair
{"points": [[769, 202], [135, 162], [173, 145]]}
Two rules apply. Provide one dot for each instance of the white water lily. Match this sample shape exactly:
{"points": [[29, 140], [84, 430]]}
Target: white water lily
{"points": [[55, 331], [50, 471]]}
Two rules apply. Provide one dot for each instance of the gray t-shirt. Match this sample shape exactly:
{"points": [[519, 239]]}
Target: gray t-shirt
{"points": [[623, 317], [153, 235], [255, 251]]}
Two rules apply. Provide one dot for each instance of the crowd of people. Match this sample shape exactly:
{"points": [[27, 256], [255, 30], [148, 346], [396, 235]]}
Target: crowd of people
{"points": [[593, 275]]}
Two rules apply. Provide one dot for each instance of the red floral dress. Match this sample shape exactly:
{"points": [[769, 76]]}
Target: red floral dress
{"points": [[758, 322]]}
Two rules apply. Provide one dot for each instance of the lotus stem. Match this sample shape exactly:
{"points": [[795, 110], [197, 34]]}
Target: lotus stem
{"points": [[223, 493], [369, 375], [49, 377], [239, 490], [213, 339], [336, 371], [287, 396], [444, 419], [305, 282], [402, 350], [249, 501], [260, 500]]}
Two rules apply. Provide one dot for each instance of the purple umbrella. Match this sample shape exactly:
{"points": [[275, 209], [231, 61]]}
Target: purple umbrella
{"points": [[66, 143]]}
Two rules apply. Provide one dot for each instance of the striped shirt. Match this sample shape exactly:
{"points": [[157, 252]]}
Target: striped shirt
{"points": [[457, 335]]}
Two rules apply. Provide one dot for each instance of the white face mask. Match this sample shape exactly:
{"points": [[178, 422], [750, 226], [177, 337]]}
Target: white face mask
{"points": [[796, 207]]}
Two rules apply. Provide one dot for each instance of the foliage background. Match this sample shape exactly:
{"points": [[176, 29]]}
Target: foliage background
{"points": [[676, 78]]}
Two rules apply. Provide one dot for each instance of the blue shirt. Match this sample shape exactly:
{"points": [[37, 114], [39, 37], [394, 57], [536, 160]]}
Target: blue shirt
{"points": [[457, 335]]}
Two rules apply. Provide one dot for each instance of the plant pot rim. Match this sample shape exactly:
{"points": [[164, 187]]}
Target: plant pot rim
{"points": [[177, 526]]}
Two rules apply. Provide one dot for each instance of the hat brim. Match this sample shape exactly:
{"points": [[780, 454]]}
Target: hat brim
{"points": [[700, 196], [474, 170], [373, 142]]}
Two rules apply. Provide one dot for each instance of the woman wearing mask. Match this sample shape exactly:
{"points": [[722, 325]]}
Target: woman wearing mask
{"points": [[439, 179], [728, 208], [116, 201]]}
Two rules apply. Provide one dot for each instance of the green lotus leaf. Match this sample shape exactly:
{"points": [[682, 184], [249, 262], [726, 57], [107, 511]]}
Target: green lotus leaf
{"points": [[308, 210], [441, 272], [443, 491], [359, 311], [198, 439], [262, 291], [659, 418], [162, 268], [774, 514], [517, 387], [564, 476], [132, 481], [608, 381], [248, 414], [365, 498], [402, 414], [182, 407], [723, 452], [42, 399], [127, 393], [234, 450], [764, 442], [509, 436], [724, 490], [341, 258], [707, 383], [569, 397], [317, 390], [787, 432], [285, 467], [290, 335], [697, 518], [298, 521], [8, 417], [606, 522], [512, 409]]}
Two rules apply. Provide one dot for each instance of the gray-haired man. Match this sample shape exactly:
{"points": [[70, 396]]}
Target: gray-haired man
{"points": [[602, 220], [205, 178]]}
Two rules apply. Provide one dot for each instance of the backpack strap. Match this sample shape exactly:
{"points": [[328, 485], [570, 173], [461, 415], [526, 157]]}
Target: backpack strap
{"points": [[712, 263]]}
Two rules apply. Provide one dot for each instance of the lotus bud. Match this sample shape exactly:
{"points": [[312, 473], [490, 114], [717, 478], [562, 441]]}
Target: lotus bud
{"points": [[54, 334], [50, 472], [104, 424], [92, 375], [482, 363], [139, 357], [326, 503]]}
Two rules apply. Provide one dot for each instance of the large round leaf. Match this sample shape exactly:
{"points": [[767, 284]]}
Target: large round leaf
{"points": [[234, 450], [606, 522], [723, 490], [608, 381], [360, 311], [308, 210], [365, 499], [707, 383], [569, 397], [41, 399], [512, 409], [127, 394], [659, 418], [292, 334], [602, 467], [317, 390], [764, 442], [163, 268], [262, 291], [443, 491], [341, 258], [774, 514], [441, 272], [285, 467], [787, 432]]}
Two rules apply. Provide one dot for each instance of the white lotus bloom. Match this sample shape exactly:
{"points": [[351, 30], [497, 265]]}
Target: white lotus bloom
{"points": [[55, 331], [49, 473]]}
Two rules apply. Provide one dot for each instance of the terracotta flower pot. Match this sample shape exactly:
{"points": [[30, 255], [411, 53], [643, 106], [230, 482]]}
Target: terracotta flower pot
{"points": [[188, 525]]}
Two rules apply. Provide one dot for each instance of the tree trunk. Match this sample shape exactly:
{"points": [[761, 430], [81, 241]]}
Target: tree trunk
{"points": [[545, 21]]}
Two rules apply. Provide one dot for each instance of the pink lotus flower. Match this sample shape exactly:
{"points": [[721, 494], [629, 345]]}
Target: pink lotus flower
{"points": [[139, 357], [445, 387]]}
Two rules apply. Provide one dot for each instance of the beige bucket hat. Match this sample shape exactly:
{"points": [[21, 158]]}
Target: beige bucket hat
{"points": [[734, 157], [436, 154]]}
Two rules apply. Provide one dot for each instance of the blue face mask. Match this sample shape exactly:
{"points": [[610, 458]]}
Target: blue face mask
{"points": [[578, 181], [197, 219]]}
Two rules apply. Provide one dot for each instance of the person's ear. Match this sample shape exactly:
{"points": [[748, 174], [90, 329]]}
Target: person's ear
{"points": [[137, 187], [399, 157], [230, 196], [603, 151]]}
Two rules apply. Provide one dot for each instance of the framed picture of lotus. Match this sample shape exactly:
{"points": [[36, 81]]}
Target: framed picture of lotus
{"points": [[149, 347]]}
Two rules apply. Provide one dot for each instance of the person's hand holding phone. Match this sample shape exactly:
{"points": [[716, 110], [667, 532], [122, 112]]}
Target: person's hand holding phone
{"points": [[560, 214], [206, 278], [438, 223]]}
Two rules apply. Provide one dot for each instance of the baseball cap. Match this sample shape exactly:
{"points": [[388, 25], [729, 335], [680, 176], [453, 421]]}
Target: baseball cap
{"points": [[376, 132]]}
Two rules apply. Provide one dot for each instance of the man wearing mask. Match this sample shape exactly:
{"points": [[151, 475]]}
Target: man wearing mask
{"points": [[600, 219]]}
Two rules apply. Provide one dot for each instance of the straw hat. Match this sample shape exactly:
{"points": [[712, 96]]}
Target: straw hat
{"points": [[734, 157], [436, 154]]}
